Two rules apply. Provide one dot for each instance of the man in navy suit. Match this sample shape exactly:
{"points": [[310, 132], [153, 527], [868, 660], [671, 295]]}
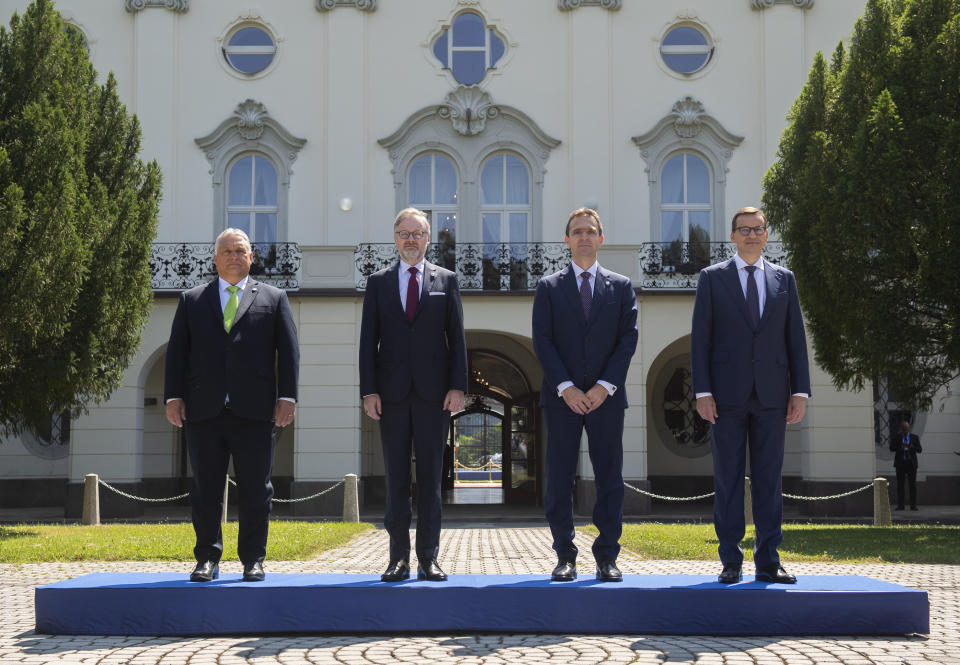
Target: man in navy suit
{"points": [[231, 375], [751, 378], [584, 334], [906, 446], [413, 374]]}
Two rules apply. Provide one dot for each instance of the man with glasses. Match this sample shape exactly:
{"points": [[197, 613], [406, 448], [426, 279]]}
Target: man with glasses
{"points": [[413, 375], [751, 378]]}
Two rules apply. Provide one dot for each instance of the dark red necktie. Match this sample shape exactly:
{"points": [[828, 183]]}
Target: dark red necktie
{"points": [[413, 293]]}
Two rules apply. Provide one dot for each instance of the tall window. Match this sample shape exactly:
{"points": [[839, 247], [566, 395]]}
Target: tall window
{"points": [[433, 188], [685, 209], [505, 216], [252, 198], [471, 50]]}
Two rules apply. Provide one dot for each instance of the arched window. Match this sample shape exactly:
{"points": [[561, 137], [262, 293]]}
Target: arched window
{"points": [[470, 50], [685, 210], [432, 187], [505, 216], [252, 198]]}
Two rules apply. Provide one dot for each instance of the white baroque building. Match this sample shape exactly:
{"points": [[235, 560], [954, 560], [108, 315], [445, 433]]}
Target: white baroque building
{"points": [[311, 122]]}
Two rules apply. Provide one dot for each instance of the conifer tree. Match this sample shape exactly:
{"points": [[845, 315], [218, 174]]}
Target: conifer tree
{"points": [[78, 214], [865, 193]]}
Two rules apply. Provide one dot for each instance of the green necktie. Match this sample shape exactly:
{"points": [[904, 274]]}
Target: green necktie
{"points": [[230, 310]]}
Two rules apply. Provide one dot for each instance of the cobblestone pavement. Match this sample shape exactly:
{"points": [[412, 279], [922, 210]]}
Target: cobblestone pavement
{"points": [[476, 549]]}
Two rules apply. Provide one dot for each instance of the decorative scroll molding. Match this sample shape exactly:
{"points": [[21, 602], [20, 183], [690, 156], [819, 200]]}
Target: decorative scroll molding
{"points": [[567, 5], [468, 108], [362, 5], [133, 6], [688, 120], [766, 4], [252, 122]]}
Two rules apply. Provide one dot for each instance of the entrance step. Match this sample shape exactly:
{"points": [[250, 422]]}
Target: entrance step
{"points": [[168, 604]]}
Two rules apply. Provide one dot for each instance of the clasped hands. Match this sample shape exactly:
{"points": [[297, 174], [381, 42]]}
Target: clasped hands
{"points": [[454, 401], [583, 403]]}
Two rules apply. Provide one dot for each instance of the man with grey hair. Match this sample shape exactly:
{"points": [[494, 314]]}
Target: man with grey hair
{"points": [[231, 378], [413, 375]]}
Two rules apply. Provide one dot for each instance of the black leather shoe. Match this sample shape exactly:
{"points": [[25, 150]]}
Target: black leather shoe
{"points": [[566, 571], [731, 574], [206, 571], [253, 572], [430, 571], [776, 574], [398, 570], [607, 571]]}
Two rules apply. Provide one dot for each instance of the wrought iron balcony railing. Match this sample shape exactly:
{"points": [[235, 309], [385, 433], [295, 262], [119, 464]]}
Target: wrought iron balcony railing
{"points": [[676, 265], [183, 265], [479, 266]]}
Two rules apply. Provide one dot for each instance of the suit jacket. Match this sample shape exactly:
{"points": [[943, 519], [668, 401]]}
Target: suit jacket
{"points": [[571, 347], [260, 353], [728, 357], [899, 458], [427, 355]]}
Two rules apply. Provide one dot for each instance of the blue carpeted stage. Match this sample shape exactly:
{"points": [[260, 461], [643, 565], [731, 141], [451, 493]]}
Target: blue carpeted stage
{"points": [[167, 604]]}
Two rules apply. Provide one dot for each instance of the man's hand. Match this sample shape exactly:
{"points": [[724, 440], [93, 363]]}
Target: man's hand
{"points": [[596, 396], [707, 408], [283, 412], [796, 407], [454, 400], [176, 412], [577, 400], [371, 406]]}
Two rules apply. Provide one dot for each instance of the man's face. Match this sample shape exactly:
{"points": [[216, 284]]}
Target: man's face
{"points": [[752, 244], [905, 428], [411, 248], [232, 258], [584, 240]]}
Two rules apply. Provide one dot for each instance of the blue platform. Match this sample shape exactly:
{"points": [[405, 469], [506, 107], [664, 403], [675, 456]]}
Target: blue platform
{"points": [[167, 604]]}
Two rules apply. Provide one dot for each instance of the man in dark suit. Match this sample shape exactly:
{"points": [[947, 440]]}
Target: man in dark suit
{"points": [[751, 378], [906, 447], [584, 334], [231, 375], [413, 375]]}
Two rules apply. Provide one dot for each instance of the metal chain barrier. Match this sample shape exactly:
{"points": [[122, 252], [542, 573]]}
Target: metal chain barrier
{"points": [[230, 480], [312, 496], [140, 498], [827, 498], [785, 495]]}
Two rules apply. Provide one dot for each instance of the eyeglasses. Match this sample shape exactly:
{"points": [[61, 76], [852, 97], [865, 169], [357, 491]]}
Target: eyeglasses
{"points": [[416, 235], [747, 230]]}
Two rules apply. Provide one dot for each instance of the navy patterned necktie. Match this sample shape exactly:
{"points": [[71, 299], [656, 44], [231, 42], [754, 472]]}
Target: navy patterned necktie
{"points": [[753, 297], [586, 298]]}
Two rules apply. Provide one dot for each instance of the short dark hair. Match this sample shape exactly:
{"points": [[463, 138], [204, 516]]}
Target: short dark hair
{"points": [[583, 212], [747, 210]]}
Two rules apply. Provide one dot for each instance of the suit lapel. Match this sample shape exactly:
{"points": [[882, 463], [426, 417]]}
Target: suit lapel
{"points": [[773, 279], [393, 289], [731, 279], [212, 296], [429, 278], [250, 292], [570, 288]]}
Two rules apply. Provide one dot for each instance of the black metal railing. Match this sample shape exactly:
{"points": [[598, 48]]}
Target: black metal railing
{"points": [[676, 265], [175, 266], [502, 266]]}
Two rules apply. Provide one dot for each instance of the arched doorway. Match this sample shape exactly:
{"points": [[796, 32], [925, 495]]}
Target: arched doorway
{"points": [[494, 452]]}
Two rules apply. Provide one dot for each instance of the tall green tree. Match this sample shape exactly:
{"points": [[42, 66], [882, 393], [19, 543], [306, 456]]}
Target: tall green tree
{"points": [[78, 213], [865, 193]]}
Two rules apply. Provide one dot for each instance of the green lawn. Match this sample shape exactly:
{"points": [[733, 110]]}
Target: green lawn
{"points": [[803, 542], [289, 541]]}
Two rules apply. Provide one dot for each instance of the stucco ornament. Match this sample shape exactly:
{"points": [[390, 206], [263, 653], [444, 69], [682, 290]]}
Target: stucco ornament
{"points": [[362, 5], [134, 6], [687, 123], [250, 119], [468, 108]]}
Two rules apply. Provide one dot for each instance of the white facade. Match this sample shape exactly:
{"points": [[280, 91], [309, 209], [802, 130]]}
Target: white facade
{"points": [[355, 94]]}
